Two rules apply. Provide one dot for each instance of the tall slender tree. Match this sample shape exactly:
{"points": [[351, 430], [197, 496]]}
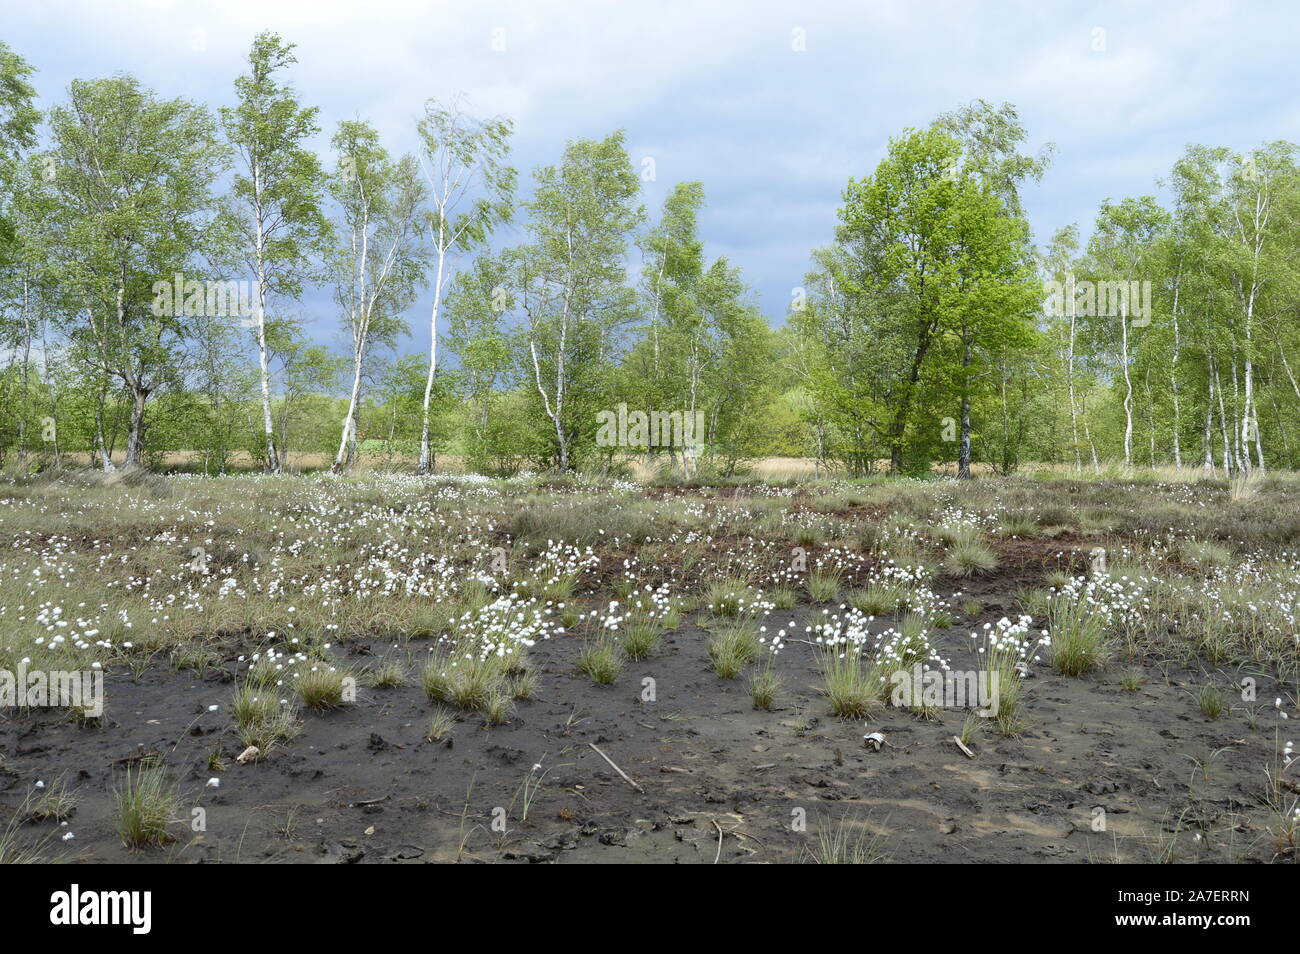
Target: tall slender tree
{"points": [[471, 191], [379, 263], [572, 280], [275, 196]]}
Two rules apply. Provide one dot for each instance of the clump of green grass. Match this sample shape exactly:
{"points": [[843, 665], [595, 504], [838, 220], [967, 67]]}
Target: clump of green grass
{"points": [[498, 707], [1211, 702], [55, 803], [640, 637], [1132, 679], [428, 622], [387, 674], [436, 677], [783, 597], [1057, 579], [870, 537], [600, 659], [966, 557], [16, 849], [728, 597], [764, 684], [522, 685], [196, 656], [144, 805], [1010, 721], [1080, 642], [553, 585], [260, 718], [487, 684], [952, 534], [880, 598], [852, 685], [264, 672], [848, 843], [441, 723], [734, 647], [824, 583], [1203, 554], [1036, 602], [1020, 525], [321, 686], [473, 681], [473, 597]]}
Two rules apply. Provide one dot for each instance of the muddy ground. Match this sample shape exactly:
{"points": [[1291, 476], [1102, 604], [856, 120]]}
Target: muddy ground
{"points": [[720, 781]]}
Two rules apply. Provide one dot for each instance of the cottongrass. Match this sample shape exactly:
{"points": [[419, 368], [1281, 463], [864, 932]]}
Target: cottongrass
{"points": [[262, 719], [824, 583], [601, 660], [853, 685], [55, 803], [733, 647], [145, 805], [321, 686], [1080, 642], [1006, 650], [967, 557]]}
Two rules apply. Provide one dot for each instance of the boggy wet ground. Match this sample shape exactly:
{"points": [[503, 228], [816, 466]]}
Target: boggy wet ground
{"points": [[1100, 773]]}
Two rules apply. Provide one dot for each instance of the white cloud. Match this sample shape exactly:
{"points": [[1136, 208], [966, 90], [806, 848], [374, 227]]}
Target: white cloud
{"points": [[715, 91]]}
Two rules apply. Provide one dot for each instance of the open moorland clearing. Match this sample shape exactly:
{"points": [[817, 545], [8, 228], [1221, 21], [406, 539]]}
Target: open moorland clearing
{"points": [[389, 668]]}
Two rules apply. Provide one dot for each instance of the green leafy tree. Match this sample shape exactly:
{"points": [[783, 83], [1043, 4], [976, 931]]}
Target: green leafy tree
{"points": [[571, 282], [133, 205], [379, 263], [275, 196], [471, 191]]}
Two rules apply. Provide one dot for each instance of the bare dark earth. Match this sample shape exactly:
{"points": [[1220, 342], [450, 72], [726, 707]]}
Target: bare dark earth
{"points": [[720, 780]]}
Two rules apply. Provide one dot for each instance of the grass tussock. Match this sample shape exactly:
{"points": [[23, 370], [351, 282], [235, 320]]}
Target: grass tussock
{"points": [[145, 804], [1080, 639]]}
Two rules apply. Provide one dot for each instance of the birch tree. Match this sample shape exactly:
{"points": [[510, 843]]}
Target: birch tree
{"points": [[275, 197], [573, 280], [133, 178], [471, 191], [18, 119], [1255, 217], [380, 259], [1121, 247], [19, 264]]}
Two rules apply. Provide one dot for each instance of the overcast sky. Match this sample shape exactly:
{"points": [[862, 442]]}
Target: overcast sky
{"points": [[772, 105]]}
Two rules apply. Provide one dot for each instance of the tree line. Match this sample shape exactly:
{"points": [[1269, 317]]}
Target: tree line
{"points": [[156, 256]]}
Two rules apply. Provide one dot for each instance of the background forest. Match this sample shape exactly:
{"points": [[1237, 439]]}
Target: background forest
{"points": [[157, 256]]}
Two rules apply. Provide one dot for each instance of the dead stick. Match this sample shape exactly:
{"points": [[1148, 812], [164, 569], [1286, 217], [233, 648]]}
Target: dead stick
{"points": [[719, 828], [961, 745], [616, 768]]}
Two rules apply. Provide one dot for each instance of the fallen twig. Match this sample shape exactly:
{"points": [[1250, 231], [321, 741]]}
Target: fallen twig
{"points": [[616, 768]]}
